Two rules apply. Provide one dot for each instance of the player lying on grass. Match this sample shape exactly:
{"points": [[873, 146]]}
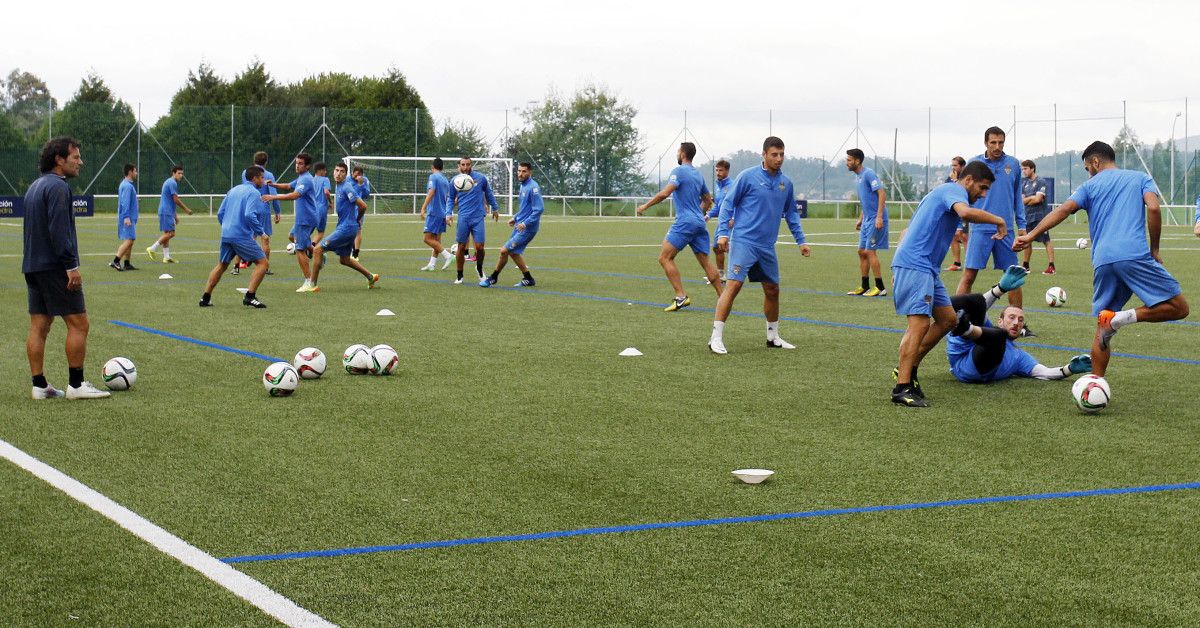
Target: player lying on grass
{"points": [[350, 208], [980, 352]]}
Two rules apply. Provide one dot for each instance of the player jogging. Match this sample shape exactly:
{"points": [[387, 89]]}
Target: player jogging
{"points": [[303, 191], [760, 197], [472, 209], [364, 192], [1121, 205], [350, 209], [241, 223], [691, 197], [872, 225], [721, 183], [167, 216], [127, 218], [525, 228], [435, 213], [917, 289]]}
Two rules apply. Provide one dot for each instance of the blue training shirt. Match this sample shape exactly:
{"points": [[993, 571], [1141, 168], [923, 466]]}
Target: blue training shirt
{"points": [[266, 189], [529, 205], [689, 189], [1198, 209], [364, 190], [931, 230], [439, 205], [756, 202], [239, 213], [170, 189], [471, 203], [1116, 211], [306, 205], [346, 204], [127, 202], [322, 199], [1004, 198], [1016, 361], [868, 194], [721, 190]]}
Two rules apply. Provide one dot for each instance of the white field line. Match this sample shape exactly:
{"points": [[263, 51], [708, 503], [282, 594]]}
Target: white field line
{"points": [[238, 583]]}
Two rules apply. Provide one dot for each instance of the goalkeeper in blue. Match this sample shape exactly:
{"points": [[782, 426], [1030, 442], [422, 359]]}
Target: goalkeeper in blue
{"points": [[980, 352], [525, 227], [241, 223], [748, 226]]}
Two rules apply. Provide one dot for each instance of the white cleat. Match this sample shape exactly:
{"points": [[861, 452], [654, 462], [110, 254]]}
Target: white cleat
{"points": [[426, 267], [446, 259], [49, 392], [779, 343], [458, 282], [86, 391], [717, 346], [305, 287]]}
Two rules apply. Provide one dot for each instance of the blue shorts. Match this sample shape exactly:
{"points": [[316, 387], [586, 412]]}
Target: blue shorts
{"points": [[126, 233], [519, 240], [166, 222], [981, 246], [870, 239], [917, 291], [303, 235], [322, 221], [693, 235], [751, 262], [1113, 284], [248, 250], [471, 227], [435, 224], [340, 242]]}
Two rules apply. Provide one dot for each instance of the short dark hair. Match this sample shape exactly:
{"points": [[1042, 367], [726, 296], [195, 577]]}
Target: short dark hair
{"points": [[723, 163], [772, 142], [1101, 150], [438, 164], [176, 168], [465, 158], [959, 160], [52, 149], [357, 170], [689, 150], [977, 170], [1028, 163], [339, 164], [305, 159], [993, 130], [260, 158], [254, 171], [857, 154], [526, 165], [129, 168], [319, 166]]}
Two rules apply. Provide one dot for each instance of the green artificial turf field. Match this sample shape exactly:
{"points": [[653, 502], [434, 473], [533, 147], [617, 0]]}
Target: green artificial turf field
{"points": [[512, 414]]}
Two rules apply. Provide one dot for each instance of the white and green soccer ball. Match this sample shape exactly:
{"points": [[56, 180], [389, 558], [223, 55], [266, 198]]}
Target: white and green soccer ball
{"points": [[1091, 393], [280, 379], [119, 374], [1056, 297], [356, 359]]}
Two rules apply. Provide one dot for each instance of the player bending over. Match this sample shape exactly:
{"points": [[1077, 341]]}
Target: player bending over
{"points": [[525, 227], [241, 223], [350, 209]]}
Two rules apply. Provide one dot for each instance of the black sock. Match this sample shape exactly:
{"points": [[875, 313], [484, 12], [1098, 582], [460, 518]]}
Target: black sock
{"points": [[250, 296], [527, 275], [879, 282], [1025, 265], [75, 376], [355, 253], [1051, 264], [898, 388], [206, 297], [460, 275], [866, 283], [39, 380], [914, 375], [117, 261], [479, 262], [495, 275]]}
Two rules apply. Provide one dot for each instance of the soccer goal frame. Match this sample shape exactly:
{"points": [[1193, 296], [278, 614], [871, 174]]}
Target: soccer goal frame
{"points": [[419, 167]]}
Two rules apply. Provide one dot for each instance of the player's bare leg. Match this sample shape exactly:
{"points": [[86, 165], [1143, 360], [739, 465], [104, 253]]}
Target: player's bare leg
{"points": [[710, 272], [1109, 322], [666, 259], [716, 342], [967, 280]]}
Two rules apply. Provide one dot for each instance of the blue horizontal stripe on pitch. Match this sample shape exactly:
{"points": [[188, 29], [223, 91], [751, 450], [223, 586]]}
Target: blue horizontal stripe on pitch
{"points": [[808, 514], [196, 341]]}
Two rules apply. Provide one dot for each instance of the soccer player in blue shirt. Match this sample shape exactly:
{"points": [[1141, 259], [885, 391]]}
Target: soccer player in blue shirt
{"points": [[472, 207], [364, 192], [1122, 205], [1004, 200], [127, 217], [748, 226], [917, 289], [265, 212], [241, 224], [167, 216], [1196, 228], [980, 352], [324, 195], [304, 191], [690, 194], [525, 228], [872, 225], [721, 183], [960, 236], [435, 212], [350, 209]]}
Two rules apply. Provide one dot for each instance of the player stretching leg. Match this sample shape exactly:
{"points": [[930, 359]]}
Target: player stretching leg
{"points": [[525, 227]]}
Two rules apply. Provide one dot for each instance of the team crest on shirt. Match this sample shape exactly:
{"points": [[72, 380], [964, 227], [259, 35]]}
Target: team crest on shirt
{"points": [[737, 269], [782, 187], [1008, 170]]}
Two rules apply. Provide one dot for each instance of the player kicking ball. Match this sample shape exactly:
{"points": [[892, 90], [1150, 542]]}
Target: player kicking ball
{"points": [[350, 209], [525, 227], [240, 225], [979, 352]]}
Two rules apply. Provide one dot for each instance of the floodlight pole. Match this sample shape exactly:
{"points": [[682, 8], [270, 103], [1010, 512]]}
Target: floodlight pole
{"points": [[1056, 150], [138, 182], [230, 146], [1177, 116], [928, 144]]}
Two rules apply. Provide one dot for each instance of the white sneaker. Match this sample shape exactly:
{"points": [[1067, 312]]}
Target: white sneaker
{"points": [[717, 346], [86, 391], [426, 267], [49, 392], [707, 282], [458, 281], [305, 287], [446, 259], [779, 343]]}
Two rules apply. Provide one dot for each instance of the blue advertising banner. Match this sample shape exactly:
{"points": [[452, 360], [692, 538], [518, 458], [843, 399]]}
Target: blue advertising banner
{"points": [[14, 206]]}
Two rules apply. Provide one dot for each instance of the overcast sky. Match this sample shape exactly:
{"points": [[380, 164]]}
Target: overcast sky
{"points": [[740, 69]]}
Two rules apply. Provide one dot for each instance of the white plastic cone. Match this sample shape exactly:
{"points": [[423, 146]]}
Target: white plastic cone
{"points": [[630, 352], [385, 312], [165, 276]]}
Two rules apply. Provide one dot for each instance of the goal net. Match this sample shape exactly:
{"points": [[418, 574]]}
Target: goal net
{"points": [[398, 183]]}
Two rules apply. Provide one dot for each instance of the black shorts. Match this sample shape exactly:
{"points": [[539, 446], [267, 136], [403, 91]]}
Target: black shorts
{"points": [[48, 294], [1032, 219]]}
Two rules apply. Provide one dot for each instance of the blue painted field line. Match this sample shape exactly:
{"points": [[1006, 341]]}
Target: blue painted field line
{"points": [[196, 341], [696, 523]]}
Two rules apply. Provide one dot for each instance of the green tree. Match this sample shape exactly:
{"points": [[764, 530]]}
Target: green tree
{"points": [[461, 139], [10, 137], [27, 101], [583, 144], [100, 122]]}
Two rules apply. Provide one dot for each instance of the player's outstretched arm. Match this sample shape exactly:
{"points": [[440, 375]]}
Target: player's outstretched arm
{"points": [[658, 198], [1078, 364]]}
